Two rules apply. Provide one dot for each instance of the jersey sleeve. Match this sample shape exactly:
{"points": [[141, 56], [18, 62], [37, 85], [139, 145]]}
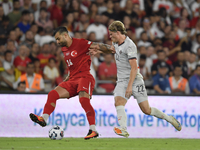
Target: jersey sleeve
{"points": [[132, 52]]}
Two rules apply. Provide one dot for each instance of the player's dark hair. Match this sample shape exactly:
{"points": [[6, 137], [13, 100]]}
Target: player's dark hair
{"points": [[60, 30]]}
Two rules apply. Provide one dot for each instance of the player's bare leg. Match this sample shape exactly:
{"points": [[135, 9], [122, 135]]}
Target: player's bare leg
{"points": [[144, 106], [120, 102], [84, 99], [50, 105]]}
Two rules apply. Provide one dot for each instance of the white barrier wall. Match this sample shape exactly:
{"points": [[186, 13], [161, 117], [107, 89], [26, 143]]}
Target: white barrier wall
{"points": [[15, 121]]}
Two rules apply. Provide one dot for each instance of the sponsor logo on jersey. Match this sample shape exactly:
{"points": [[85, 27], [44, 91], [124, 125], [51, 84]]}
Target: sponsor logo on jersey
{"points": [[74, 53]]}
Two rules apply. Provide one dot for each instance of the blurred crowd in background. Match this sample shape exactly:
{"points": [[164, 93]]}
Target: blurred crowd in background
{"points": [[166, 32]]}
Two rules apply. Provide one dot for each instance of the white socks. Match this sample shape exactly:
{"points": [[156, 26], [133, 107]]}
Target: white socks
{"points": [[121, 115], [45, 117], [159, 114], [93, 128]]}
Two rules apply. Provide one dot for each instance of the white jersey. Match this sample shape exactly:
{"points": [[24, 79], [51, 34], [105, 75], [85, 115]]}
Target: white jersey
{"points": [[125, 51]]}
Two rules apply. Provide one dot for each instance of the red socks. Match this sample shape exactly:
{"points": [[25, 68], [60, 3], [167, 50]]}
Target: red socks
{"points": [[51, 102], [89, 110]]}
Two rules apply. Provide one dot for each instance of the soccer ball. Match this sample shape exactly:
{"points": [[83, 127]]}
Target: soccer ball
{"points": [[56, 133]]}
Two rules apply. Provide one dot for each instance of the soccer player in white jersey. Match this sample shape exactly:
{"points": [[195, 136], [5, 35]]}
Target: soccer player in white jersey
{"points": [[129, 80]]}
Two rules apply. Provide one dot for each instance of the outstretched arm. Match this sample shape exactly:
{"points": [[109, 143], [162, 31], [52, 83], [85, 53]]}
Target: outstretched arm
{"points": [[105, 48]]}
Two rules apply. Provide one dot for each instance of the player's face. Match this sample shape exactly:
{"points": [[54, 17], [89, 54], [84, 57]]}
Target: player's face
{"points": [[61, 39], [113, 36]]}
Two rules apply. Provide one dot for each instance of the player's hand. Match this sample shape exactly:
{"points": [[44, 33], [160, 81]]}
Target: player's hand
{"points": [[128, 92], [113, 49], [93, 50]]}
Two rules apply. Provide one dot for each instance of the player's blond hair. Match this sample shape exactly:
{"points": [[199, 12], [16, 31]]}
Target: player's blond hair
{"points": [[117, 26]]}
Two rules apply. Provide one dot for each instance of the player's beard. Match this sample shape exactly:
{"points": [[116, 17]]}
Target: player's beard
{"points": [[64, 43]]}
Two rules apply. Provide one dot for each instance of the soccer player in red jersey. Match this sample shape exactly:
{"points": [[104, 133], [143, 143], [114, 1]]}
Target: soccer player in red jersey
{"points": [[79, 81]]}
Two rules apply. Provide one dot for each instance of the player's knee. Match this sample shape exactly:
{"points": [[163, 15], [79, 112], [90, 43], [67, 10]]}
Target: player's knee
{"points": [[146, 111], [53, 95]]}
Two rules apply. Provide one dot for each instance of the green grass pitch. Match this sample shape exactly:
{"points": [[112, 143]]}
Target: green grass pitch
{"points": [[98, 144]]}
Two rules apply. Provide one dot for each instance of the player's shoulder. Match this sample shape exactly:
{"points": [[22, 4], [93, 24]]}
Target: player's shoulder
{"points": [[84, 41], [129, 44]]}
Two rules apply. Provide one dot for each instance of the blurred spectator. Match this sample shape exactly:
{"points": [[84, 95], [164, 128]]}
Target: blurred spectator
{"points": [[68, 23], [181, 62], [128, 11], [21, 61], [5, 28], [45, 55], [194, 20], [44, 20], [50, 73], [53, 47], [101, 6], [7, 6], [2, 51], [198, 55], [47, 38], [8, 72], [19, 33], [194, 81], [83, 23], [94, 66], [93, 11], [196, 43], [184, 14], [10, 45], [195, 30], [160, 80], [34, 52], [172, 46], [34, 81], [143, 69], [21, 87], [191, 63], [58, 16], [109, 13], [43, 4], [128, 24], [99, 29], [29, 39], [178, 7], [159, 4], [76, 5], [144, 40], [35, 30], [178, 84], [146, 26], [24, 24], [15, 15], [181, 28], [37, 69], [194, 7], [186, 43], [12, 37], [26, 6], [107, 71], [1, 14], [161, 60]]}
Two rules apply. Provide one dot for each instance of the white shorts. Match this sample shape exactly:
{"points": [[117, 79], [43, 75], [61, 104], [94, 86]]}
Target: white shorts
{"points": [[139, 90]]}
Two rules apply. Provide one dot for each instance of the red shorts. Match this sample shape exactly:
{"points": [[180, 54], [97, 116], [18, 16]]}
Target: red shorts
{"points": [[75, 84]]}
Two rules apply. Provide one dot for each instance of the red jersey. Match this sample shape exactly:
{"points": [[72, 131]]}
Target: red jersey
{"points": [[76, 56]]}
